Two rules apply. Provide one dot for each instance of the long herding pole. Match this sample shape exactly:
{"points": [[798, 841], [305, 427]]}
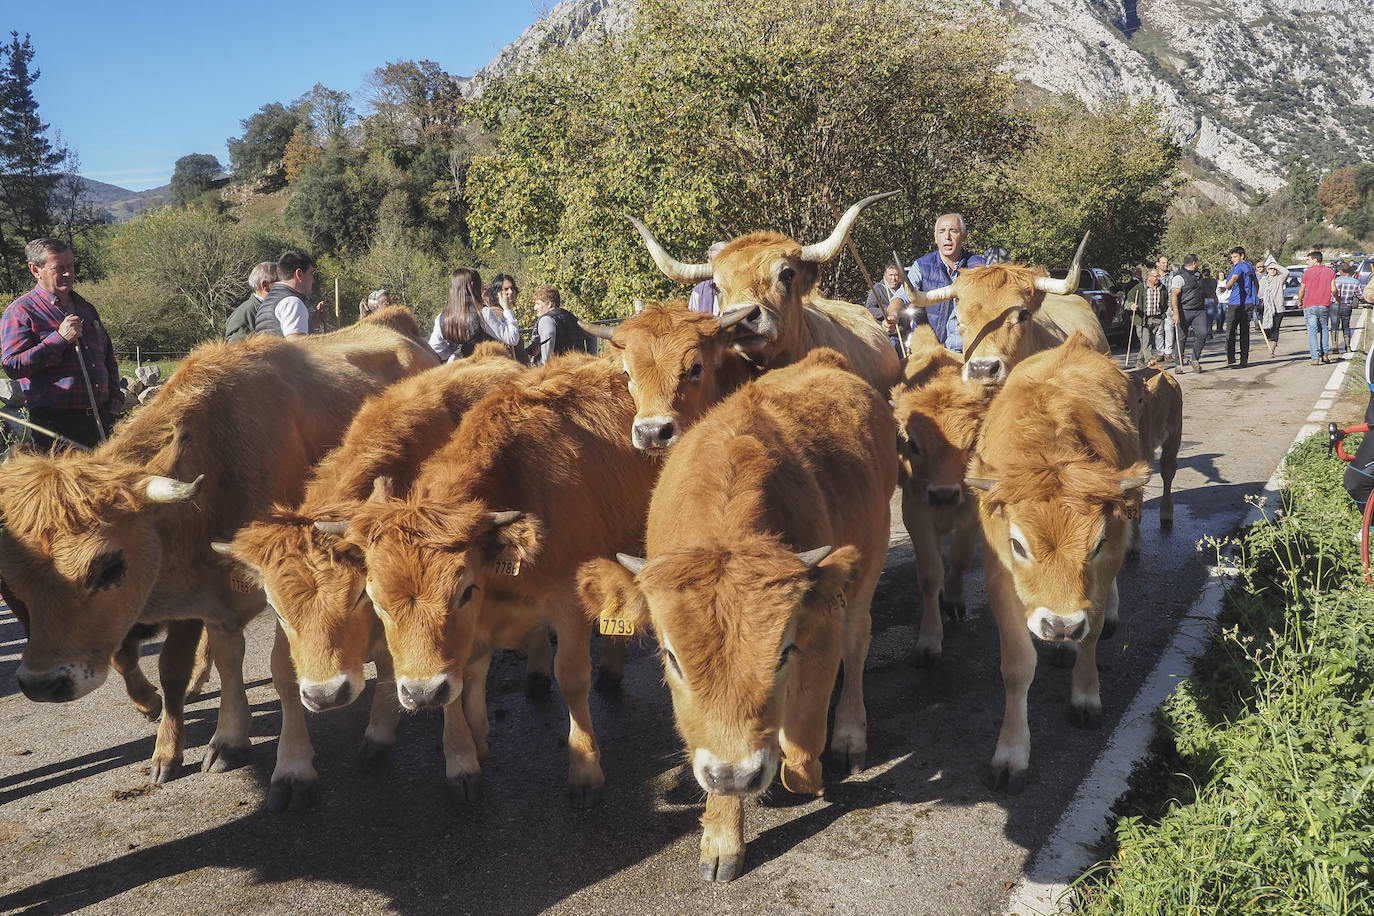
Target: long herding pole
{"points": [[14, 418], [854, 250], [338, 315]]}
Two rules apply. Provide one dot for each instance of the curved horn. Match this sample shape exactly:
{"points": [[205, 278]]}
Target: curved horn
{"points": [[222, 547], [169, 490], [336, 528], [672, 268], [596, 330], [821, 252], [1070, 282], [501, 519], [1133, 483], [812, 557], [736, 315], [922, 299], [633, 564], [979, 483]]}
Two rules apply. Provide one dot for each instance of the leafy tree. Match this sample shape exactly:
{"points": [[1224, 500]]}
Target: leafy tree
{"points": [[329, 112], [257, 155], [334, 202], [1211, 233], [299, 153], [1111, 173], [710, 121], [412, 102], [30, 164], [1338, 192], [200, 257], [1303, 184], [192, 176]]}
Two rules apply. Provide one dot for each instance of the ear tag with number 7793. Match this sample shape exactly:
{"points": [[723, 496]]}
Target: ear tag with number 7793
{"points": [[613, 622]]}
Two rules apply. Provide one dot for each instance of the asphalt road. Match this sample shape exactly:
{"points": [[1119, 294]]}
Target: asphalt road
{"points": [[81, 829]]}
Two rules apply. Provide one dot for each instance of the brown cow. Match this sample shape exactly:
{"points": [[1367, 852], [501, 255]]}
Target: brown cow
{"points": [[539, 477], [96, 542], [774, 279], [1059, 466], [1157, 409], [938, 414], [1009, 311], [679, 363], [767, 534], [314, 579]]}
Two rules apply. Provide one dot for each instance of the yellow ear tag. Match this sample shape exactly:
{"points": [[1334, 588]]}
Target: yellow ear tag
{"points": [[240, 581], [1132, 509], [612, 623], [507, 563]]}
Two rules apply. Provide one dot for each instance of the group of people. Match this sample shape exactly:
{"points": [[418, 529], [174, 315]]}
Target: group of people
{"points": [[276, 302], [476, 313]]}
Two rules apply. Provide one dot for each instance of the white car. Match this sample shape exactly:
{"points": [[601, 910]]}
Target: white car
{"points": [[1290, 289]]}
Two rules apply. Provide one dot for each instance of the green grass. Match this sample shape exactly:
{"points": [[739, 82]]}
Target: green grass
{"points": [[1260, 795], [168, 366]]}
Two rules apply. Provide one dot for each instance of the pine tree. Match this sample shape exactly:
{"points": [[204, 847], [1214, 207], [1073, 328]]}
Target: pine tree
{"points": [[30, 165]]}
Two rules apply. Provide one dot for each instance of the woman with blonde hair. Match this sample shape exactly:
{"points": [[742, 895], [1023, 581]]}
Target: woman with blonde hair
{"points": [[465, 321]]}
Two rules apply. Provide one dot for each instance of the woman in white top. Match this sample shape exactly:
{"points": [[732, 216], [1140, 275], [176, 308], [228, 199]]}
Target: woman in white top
{"points": [[1271, 299], [465, 322]]}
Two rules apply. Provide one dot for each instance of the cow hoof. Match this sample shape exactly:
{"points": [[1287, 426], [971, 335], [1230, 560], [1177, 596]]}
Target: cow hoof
{"points": [[849, 762], [1166, 521], [723, 869], [466, 788], [373, 751], [163, 771], [956, 612], [1108, 629], [153, 710], [1003, 778], [537, 685], [1063, 655], [608, 681], [1086, 717], [223, 757], [290, 794], [584, 798], [924, 657]]}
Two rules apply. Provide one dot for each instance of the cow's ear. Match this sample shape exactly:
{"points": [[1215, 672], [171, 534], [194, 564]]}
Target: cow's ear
{"points": [[832, 582], [243, 574], [516, 536], [608, 590]]}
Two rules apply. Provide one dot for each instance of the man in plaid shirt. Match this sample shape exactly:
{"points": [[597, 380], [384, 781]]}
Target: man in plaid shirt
{"points": [[39, 333], [1345, 295]]}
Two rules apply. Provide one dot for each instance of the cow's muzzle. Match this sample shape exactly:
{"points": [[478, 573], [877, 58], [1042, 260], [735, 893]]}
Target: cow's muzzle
{"points": [[985, 369], [1053, 627], [654, 433], [944, 497], [749, 776], [61, 684], [318, 696], [415, 693]]}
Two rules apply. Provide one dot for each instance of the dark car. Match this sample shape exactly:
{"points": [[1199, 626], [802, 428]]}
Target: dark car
{"points": [[1098, 287]]}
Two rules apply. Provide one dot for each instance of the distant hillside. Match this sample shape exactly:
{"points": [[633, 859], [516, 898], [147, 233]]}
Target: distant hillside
{"points": [[121, 203]]}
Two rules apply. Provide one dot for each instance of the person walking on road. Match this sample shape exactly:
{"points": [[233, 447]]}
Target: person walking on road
{"points": [[1242, 290], [1148, 305], [1314, 295], [1345, 293], [1188, 301], [1271, 302], [1164, 337]]}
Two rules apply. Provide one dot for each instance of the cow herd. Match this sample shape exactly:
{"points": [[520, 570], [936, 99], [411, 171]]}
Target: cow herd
{"points": [[720, 482]]}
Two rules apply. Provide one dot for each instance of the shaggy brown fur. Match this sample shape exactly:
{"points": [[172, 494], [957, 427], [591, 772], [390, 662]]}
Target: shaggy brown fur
{"points": [[1157, 409], [802, 458], [90, 553]]}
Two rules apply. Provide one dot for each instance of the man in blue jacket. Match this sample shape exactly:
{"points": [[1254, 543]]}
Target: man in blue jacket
{"points": [[940, 268], [1243, 286]]}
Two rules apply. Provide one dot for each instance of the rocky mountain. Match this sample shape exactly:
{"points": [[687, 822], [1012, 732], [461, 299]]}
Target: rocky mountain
{"points": [[1242, 84]]}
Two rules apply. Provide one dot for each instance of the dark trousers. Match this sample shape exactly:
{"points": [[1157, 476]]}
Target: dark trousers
{"points": [[1238, 320], [1359, 474], [1197, 321], [77, 425]]}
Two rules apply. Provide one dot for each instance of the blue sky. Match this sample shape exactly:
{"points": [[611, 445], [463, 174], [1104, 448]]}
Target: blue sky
{"points": [[133, 86]]}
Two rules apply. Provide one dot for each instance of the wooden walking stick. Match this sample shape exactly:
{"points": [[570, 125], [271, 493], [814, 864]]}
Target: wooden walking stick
{"points": [[1130, 334]]}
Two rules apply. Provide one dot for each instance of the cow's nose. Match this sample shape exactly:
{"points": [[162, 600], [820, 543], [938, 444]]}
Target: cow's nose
{"points": [[944, 497], [46, 687], [985, 367], [318, 697], [656, 433], [420, 694], [734, 779]]}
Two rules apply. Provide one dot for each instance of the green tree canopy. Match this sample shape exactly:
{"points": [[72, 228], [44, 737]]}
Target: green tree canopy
{"points": [[1112, 173], [710, 120], [192, 176], [1212, 232], [257, 155]]}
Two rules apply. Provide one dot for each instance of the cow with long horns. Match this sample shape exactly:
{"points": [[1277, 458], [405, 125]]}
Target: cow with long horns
{"points": [[773, 279], [1008, 312]]}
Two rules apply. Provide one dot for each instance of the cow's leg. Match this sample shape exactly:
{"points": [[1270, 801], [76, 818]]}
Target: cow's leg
{"points": [[573, 668], [174, 665], [475, 698], [1085, 699], [1168, 467], [611, 671], [229, 745], [1012, 758], [200, 674], [930, 576], [722, 838], [385, 715], [141, 691], [1133, 541], [294, 777], [461, 765], [538, 663], [849, 743], [961, 548]]}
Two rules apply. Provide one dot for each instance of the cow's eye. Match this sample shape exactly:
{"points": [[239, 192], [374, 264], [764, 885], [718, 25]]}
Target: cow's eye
{"points": [[1101, 542], [785, 655], [1023, 316], [694, 373], [786, 275], [107, 571], [467, 595], [671, 659], [1020, 549]]}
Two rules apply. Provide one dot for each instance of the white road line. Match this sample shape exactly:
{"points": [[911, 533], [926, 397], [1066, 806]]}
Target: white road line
{"points": [[1044, 889]]}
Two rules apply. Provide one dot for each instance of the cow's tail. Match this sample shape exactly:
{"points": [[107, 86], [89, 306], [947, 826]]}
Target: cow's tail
{"points": [[397, 317]]}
